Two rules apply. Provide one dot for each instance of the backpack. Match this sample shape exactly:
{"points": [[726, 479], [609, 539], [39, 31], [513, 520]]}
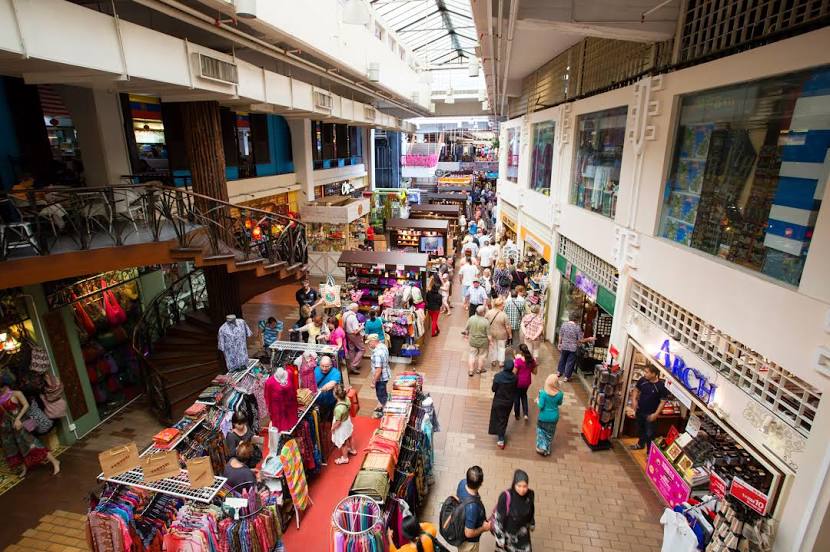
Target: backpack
{"points": [[452, 518], [505, 280]]}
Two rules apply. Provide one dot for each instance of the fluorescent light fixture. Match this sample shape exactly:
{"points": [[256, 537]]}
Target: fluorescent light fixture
{"points": [[245, 9], [355, 12]]}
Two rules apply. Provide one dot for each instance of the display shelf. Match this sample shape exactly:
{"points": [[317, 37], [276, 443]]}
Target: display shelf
{"points": [[174, 486], [153, 449]]}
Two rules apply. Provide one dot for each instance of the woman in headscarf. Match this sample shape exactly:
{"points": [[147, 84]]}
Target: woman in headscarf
{"points": [[504, 395], [549, 400], [514, 517]]}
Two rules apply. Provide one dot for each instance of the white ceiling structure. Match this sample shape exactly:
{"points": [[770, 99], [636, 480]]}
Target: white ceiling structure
{"points": [[519, 36], [440, 32]]}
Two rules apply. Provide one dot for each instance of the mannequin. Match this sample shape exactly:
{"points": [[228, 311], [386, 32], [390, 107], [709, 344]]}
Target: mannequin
{"points": [[232, 341], [281, 398]]}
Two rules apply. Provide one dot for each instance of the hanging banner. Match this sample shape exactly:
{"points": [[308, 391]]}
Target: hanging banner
{"points": [[586, 285]]}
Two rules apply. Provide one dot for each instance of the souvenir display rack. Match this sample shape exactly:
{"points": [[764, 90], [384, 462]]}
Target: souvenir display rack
{"points": [[405, 328], [178, 486], [450, 213], [372, 272], [407, 234]]}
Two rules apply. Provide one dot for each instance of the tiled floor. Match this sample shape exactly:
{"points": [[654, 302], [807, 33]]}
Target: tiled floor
{"points": [[585, 501]]}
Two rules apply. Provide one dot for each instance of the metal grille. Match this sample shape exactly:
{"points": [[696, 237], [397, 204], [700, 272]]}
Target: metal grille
{"points": [[711, 27], [787, 396], [175, 486], [217, 70], [609, 62], [601, 272]]}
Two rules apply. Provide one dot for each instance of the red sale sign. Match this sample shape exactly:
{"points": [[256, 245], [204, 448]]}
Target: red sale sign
{"points": [[717, 486], [749, 495]]}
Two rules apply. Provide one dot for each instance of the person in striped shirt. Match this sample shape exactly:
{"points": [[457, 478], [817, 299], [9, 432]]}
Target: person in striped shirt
{"points": [[271, 330]]}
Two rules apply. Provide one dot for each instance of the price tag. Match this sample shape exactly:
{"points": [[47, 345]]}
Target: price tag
{"points": [[717, 486], [749, 495], [693, 425]]}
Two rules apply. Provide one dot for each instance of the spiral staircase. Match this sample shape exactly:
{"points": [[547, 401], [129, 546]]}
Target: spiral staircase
{"points": [[68, 233]]}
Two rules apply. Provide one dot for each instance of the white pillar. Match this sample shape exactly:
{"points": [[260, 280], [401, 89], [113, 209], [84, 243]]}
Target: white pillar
{"points": [[369, 156], [96, 114], [303, 159]]}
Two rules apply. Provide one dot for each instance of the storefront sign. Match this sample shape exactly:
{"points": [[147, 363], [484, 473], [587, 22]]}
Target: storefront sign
{"points": [[749, 495], [691, 378], [717, 486], [669, 484], [586, 285]]}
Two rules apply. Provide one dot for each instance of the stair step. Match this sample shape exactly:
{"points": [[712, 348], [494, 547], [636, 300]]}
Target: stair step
{"points": [[276, 266], [183, 371], [189, 347], [187, 330], [200, 380], [293, 268], [199, 318], [211, 260]]}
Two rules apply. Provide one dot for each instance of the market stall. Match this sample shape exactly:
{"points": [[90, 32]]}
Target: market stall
{"points": [[333, 224], [371, 273], [447, 198], [450, 213], [396, 471], [421, 235]]}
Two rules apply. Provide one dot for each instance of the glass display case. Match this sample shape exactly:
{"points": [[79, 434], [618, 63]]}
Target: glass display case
{"points": [[543, 138], [596, 174]]}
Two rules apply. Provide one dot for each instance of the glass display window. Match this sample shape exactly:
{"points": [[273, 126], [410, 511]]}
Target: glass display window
{"points": [[596, 174], [543, 138], [513, 140], [746, 177]]}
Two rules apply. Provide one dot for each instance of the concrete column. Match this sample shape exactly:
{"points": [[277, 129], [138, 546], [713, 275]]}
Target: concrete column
{"points": [[303, 160], [96, 114], [369, 156]]}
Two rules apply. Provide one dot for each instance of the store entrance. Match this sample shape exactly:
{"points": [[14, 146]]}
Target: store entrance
{"points": [[594, 320]]}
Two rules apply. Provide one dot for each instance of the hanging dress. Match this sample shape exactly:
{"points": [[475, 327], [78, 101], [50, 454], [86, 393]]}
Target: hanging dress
{"points": [[281, 399]]}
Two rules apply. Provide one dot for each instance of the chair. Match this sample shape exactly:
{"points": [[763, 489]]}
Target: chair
{"points": [[17, 233]]}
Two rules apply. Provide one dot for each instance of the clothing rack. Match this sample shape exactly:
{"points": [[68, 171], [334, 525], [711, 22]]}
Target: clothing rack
{"points": [[306, 412]]}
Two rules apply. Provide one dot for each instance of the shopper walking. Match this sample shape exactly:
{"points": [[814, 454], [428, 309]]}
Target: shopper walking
{"points": [[434, 302], [479, 340], [487, 282], [525, 367], [20, 448], [570, 338], [354, 336], [515, 516], [499, 331], [307, 296], [469, 274], [549, 400], [647, 401], [373, 324], [504, 395], [381, 372], [501, 278], [532, 326], [475, 522], [476, 297], [487, 254], [514, 308], [422, 536], [342, 427], [445, 293]]}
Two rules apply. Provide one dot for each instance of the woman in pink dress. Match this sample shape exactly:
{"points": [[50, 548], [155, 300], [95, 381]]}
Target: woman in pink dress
{"points": [[524, 366], [337, 337]]}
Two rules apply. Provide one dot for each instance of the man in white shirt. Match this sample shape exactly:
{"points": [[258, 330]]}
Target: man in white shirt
{"points": [[486, 256], [469, 273], [469, 247]]}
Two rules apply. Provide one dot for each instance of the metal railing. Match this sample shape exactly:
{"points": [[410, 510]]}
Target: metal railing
{"points": [[43, 222]]}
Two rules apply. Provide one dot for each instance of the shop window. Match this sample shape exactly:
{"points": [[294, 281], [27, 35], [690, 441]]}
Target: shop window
{"points": [[513, 138], [543, 136], [745, 182], [596, 174]]}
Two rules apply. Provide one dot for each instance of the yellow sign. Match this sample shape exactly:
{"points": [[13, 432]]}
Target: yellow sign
{"points": [[538, 244]]}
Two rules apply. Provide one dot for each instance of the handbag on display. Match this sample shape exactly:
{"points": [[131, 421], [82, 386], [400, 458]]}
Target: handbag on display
{"points": [[82, 317], [54, 405], [40, 360], [115, 314], [42, 424]]}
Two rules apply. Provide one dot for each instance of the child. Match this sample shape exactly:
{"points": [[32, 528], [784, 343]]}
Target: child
{"points": [[341, 426], [271, 330]]}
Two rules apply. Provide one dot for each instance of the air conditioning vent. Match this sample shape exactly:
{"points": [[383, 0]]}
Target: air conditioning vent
{"points": [[369, 113], [217, 70], [322, 100]]}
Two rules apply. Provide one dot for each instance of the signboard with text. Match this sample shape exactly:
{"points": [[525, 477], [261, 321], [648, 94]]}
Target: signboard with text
{"points": [[669, 484], [749, 495], [586, 285], [717, 486]]}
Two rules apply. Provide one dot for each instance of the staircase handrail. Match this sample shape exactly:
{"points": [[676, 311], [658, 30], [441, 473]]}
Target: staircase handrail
{"points": [[84, 213]]}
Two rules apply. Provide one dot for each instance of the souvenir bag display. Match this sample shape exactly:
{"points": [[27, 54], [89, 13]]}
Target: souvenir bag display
{"points": [[330, 293], [82, 317], [410, 349]]}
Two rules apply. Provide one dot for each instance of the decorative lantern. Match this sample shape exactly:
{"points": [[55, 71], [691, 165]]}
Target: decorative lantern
{"points": [[257, 233]]}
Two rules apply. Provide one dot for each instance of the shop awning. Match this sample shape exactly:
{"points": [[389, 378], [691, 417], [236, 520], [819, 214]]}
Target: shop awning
{"points": [[385, 258]]}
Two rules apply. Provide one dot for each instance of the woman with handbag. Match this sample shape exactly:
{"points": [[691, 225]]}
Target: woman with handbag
{"points": [[532, 326], [514, 517], [422, 537], [19, 445]]}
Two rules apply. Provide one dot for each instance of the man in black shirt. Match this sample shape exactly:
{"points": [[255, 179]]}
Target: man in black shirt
{"points": [[306, 295], [647, 400]]}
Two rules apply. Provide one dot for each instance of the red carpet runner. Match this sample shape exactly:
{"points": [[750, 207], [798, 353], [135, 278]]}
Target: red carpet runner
{"points": [[326, 490]]}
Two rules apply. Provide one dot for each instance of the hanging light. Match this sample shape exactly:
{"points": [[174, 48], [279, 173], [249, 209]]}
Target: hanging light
{"points": [[473, 68], [248, 223], [245, 9], [10, 344], [355, 12], [257, 233]]}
